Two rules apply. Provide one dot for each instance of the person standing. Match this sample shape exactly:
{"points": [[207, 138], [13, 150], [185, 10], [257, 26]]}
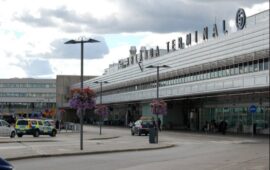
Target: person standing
{"points": [[57, 124], [159, 124]]}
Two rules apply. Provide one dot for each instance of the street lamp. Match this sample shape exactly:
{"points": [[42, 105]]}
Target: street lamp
{"points": [[100, 100], [81, 41], [157, 67]]}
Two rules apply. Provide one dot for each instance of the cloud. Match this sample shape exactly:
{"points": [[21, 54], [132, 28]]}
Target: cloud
{"points": [[68, 51], [140, 16], [36, 67], [34, 33]]}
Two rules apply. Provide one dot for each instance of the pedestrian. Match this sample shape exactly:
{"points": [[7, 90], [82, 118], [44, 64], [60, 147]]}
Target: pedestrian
{"points": [[206, 127], [159, 124], [57, 124], [154, 122], [223, 127]]}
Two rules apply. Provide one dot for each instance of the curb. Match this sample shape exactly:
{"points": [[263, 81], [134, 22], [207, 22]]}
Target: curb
{"points": [[19, 141], [87, 153]]}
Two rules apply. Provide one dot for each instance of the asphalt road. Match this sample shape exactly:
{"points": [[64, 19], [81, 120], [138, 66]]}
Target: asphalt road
{"points": [[193, 151]]}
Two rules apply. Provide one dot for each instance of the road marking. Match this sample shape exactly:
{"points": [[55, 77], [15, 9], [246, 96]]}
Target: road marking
{"points": [[12, 147]]}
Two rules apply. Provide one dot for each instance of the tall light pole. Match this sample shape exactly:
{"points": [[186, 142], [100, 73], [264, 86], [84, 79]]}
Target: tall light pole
{"points": [[81, 41], [157, 67], [100, 100]]}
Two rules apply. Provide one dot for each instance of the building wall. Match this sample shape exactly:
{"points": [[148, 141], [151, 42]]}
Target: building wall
{"points": [[63, 83], [27, 95]]}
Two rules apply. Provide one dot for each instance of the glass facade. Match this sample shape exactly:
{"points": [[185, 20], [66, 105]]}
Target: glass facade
{"points": [[29, 94], [239, 119], [27, 85], [231, 70]]}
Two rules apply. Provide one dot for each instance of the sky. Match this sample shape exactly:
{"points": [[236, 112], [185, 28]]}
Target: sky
{"points": [[33, 32]]}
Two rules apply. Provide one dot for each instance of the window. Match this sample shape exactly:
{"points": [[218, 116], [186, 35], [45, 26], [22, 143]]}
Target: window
{"points": [[246, 67], [208, 74], [201, 75], [260, 64], [197, 76], [224, 73], [40, 122], [236, 69], [22, 122], [227, 70], [241, 69], [205, 75], [192, 77], [185, 79], [256, 66], [188, 78], [250, 66], [46, 123], [182, 79], [212, 74], [216, 72], [219, 72], [266, 64]]}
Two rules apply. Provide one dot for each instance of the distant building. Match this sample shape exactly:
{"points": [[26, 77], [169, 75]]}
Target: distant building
{"points": [[27, 96]]}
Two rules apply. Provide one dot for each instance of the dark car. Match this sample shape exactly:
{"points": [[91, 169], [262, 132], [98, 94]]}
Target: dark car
{"points": [[5, 165], [141, 127]]}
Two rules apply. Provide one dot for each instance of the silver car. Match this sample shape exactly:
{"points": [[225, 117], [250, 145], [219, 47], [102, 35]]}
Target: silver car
{"points": [[6, 129]]}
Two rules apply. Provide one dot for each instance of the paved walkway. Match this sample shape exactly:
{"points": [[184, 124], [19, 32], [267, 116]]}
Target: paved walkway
{"points": [[68, 143]]}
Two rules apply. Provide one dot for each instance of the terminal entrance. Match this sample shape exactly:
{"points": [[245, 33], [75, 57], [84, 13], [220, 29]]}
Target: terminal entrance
{"points": [[208, 113]]}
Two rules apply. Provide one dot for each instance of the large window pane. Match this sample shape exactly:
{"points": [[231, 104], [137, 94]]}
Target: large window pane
{"points": [[241, 68], [260, 64], [250, 66], [256, 66], [236, 69], [246, 67], [227, 71], [231, 70], [266, 64]]}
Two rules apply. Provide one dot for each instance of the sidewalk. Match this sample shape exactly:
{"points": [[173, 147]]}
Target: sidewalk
{"points": [[67, 144]]}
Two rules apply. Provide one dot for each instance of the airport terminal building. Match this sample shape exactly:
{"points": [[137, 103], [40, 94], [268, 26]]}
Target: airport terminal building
{"points": [[213, 75]]}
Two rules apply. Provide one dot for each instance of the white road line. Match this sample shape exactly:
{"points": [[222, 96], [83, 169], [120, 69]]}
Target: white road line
{"points": [[12, 147]]}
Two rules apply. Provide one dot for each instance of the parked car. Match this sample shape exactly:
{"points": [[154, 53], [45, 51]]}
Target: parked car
{"points": [[5, 165], [6, 129], [34, 127], [141, 127]]}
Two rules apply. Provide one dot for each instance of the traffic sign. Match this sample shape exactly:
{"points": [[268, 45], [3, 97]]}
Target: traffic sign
{"points": [[252, 109]]}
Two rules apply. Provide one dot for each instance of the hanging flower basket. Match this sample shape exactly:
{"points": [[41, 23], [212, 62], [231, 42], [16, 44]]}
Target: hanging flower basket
{"points": [[82, 99], [158, 107], [102, 110]]}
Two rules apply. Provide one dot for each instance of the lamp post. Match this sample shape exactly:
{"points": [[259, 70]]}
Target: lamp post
{"points": [[157, 67], [100, 100], [81, 41]]}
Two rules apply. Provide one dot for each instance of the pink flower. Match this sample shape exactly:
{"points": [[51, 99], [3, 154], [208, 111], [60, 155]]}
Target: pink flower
{"points": [[158, 107], [82, 99], [102, 110]]}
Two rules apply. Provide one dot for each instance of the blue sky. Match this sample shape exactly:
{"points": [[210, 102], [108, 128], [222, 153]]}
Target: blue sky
{"points": [[32, 33], [115, 40]]}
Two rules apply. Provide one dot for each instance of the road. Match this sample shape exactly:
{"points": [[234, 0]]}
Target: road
{"points": [[192, 151]]}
